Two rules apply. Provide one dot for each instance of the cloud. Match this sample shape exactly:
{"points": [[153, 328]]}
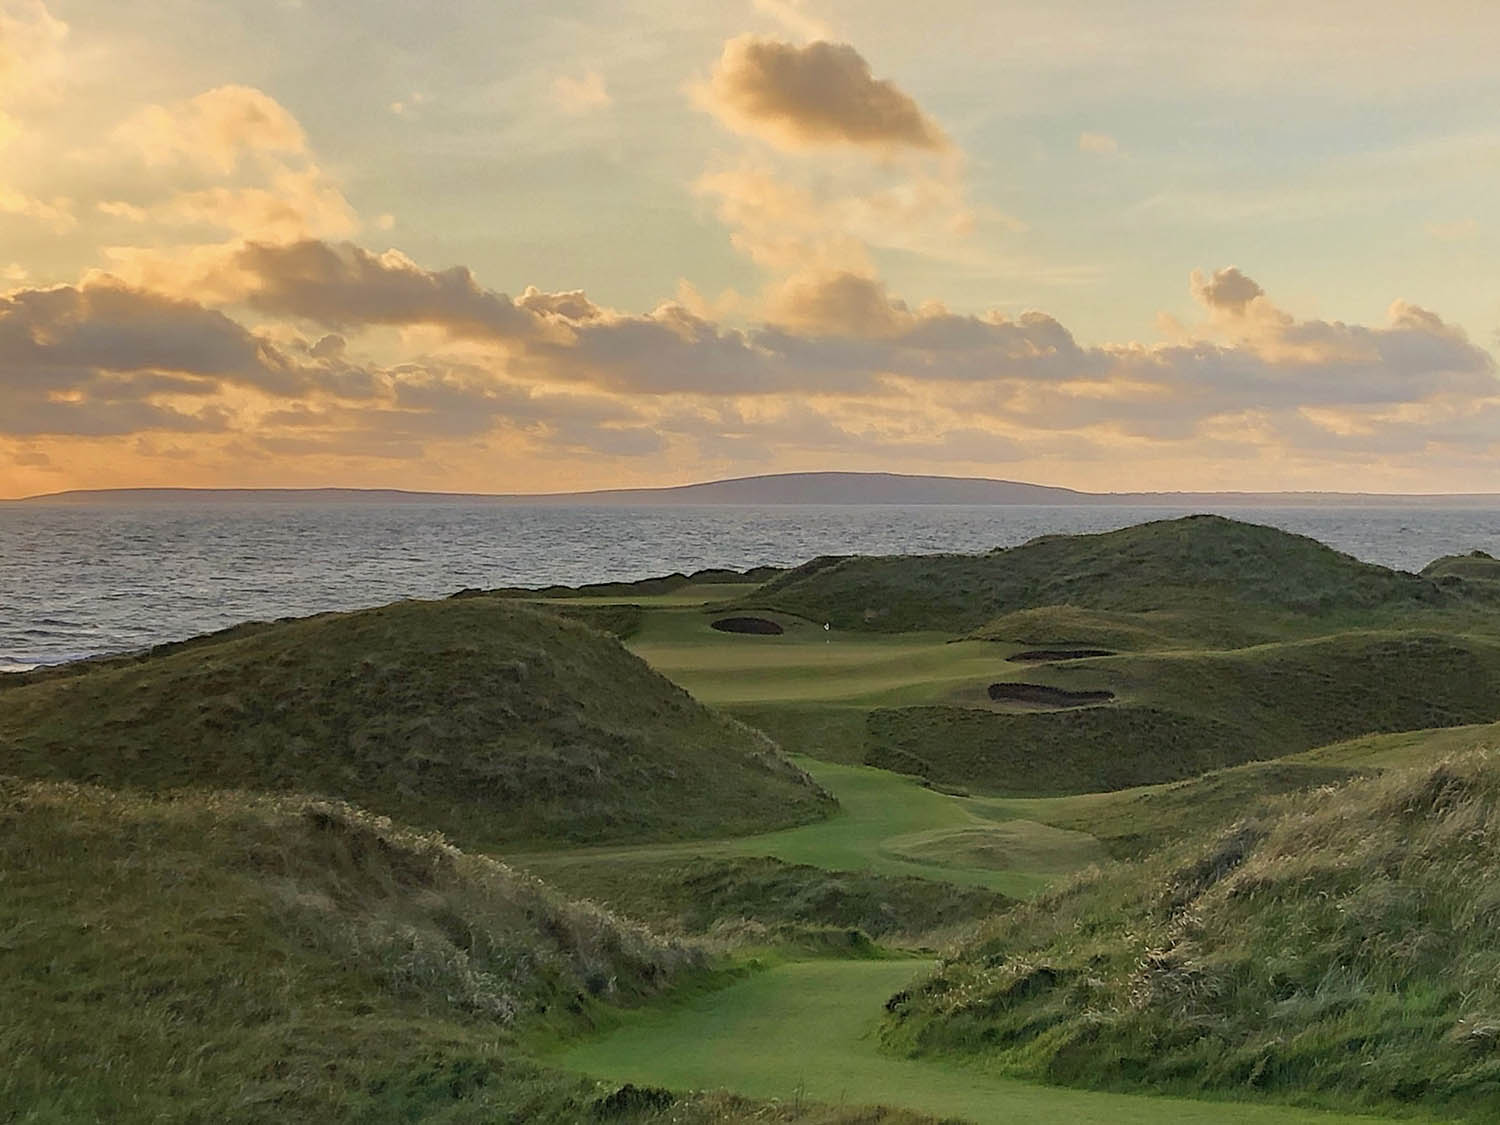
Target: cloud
{"points": [[293, 205], [344, 284], [31, 54], [838, 304], [845, 370], [1228, 290], [214, 131], [581, 95], [813, 96], [1100, 144], [57, 214]]}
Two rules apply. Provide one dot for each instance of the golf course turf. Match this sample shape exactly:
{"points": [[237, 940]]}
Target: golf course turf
{"points": [[807, 1030], [1194, 846]]}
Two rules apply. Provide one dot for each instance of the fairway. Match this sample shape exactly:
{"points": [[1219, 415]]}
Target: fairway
{"points": [[890, 825], [806, 1032]]}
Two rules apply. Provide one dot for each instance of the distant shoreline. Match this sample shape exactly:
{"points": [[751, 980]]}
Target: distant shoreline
{"points": [[780, 489]]}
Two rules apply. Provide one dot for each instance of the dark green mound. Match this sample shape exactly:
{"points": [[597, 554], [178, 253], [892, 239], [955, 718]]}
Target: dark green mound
{"points": [[1049, 754], [762, 896], [1476, 566], [223, 957], [641, 587], [1339, 949], [487, 720], [1205, 563], [1184, 713], [243, 958]]}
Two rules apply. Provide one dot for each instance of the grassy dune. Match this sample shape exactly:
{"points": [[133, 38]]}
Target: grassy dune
{"points": [[238, 958], [234, 957], [1184, 713], [1339, 947], [479, 717], [1476, 566], [760, 899], [1235, 577]]}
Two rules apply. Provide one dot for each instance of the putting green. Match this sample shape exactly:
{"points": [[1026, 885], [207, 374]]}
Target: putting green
{"points": [[806, 1031], [891, 825]]}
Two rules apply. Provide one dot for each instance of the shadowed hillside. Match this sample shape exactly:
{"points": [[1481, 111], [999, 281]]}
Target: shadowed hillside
{"points": [[489, 721], [1185, 713], [1340, 946], [1201, 564], [246, 958], [1476, 566]]}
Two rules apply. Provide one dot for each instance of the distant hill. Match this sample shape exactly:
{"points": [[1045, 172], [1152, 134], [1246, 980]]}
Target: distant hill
{"points": [[782, 488], [492, 722], [1207, 566]]}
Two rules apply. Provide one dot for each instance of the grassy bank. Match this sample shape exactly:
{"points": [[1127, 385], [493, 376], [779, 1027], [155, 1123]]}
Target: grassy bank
{"points": [[806, 1031], [1337, 947], [490, 721]]}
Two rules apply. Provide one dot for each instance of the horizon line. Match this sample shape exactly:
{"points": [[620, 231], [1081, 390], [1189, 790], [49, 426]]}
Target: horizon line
{"points": [[825, 473]]}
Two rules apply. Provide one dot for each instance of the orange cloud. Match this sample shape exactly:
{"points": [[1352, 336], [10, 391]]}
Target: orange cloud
{"points": [[213, 131], [817, 95]]}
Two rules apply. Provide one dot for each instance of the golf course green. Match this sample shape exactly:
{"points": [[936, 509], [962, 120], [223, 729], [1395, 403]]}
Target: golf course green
{"points": [[887, 824], [807, 1031]]}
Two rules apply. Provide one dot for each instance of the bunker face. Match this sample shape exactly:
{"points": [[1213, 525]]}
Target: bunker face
{"points": [[1043, 696], [759, 626], [1037, 656]]}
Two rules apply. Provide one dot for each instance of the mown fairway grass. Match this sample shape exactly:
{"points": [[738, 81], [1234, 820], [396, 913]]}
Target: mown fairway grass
{"points": [[886, 824], [807, 1030]]}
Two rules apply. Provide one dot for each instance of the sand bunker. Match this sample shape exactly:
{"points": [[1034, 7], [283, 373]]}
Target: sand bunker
{"points": [[1043, 696], [1036, 656], [756, 625]]}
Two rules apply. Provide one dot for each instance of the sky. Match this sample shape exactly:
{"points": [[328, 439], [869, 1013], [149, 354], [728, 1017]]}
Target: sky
{"points": [[1116, 245]]}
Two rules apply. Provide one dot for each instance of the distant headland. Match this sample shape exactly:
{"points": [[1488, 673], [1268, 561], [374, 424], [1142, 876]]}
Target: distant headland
{"points": [[784, 488]]}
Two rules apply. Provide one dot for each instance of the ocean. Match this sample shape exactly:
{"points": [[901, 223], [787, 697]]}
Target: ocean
{"points": [[79, 581]]}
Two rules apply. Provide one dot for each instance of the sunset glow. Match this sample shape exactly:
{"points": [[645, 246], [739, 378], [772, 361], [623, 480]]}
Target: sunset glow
{"points": [[516, 248]]}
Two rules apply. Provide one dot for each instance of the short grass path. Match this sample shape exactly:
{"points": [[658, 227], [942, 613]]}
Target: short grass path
{"points": [[806, 1030], [893, 826]]}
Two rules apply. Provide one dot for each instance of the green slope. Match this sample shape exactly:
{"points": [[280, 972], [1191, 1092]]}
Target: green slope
{"points": [[749, 899], [1476, 566], [806, 1031], [1236, 577], [227, 957], [886, 825], [244, 958], [1339, 946], [1184, 713], [490, 721]]}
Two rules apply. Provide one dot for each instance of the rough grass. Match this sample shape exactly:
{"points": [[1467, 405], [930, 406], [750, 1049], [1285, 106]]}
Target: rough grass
{"points": [[1200, 562], [247, 958], [487, 720], [1476, 566], [808, 1030], [1043, 754], [230, 956], [758, 898], [1186, 713], [1337, 948], [655, 587]]}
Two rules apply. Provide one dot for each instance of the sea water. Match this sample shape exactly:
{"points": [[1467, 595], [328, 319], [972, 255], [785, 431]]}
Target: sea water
{"points": [[84, 580]]}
